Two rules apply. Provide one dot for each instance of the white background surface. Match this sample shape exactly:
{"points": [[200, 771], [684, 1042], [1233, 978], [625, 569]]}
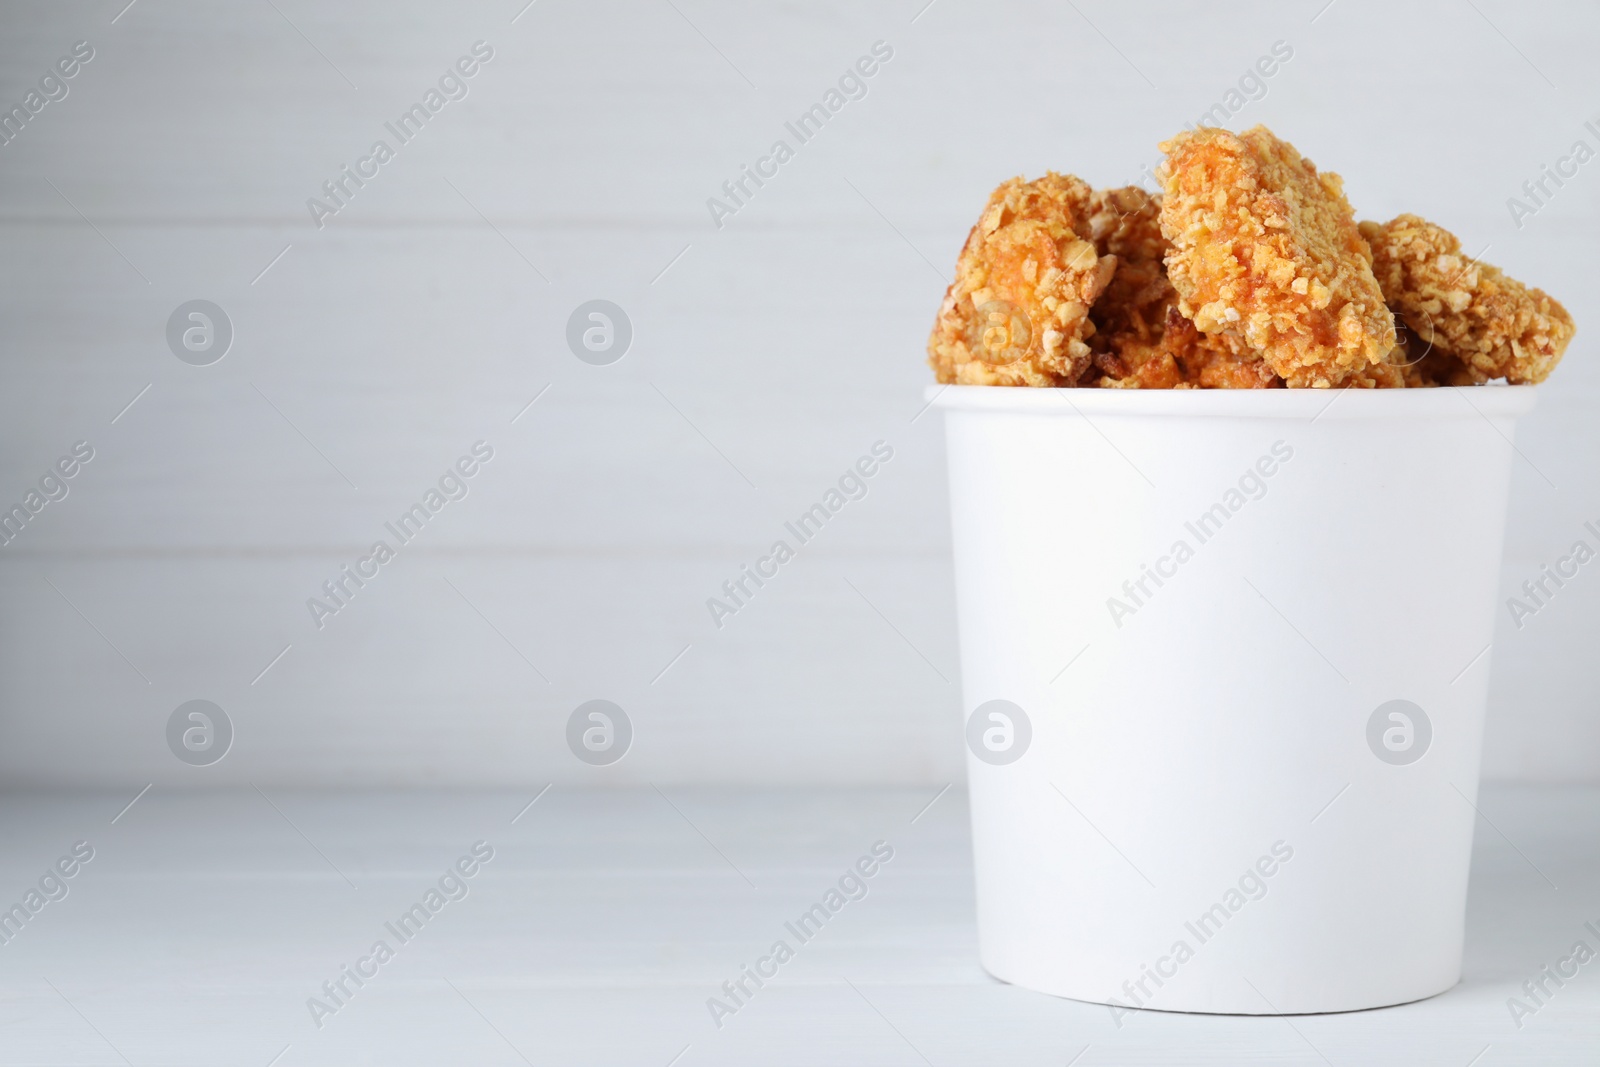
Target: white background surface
{"points": [[771, 353]]}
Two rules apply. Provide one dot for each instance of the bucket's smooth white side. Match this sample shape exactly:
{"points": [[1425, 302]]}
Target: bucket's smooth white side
{"points": [[1190, 735]]}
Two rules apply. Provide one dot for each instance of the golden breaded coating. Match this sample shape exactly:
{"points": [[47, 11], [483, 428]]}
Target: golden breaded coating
{"points": [[1266, 248], [1018, 310], [1492, 325]]}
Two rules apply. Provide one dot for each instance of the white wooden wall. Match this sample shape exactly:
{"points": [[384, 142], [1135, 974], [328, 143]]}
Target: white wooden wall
{"points": [[768, 355]]}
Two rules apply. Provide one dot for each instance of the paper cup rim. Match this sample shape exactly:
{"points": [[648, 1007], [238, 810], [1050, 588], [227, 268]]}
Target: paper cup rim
{"points": [[1334, 404]]}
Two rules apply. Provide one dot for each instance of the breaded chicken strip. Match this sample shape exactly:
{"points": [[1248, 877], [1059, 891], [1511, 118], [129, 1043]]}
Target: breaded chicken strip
{"points": [[1018, 310], [1266, 249], [1493, 326]]}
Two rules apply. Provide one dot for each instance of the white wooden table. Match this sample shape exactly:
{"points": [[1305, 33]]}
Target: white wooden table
{"points": [[605, 920]]}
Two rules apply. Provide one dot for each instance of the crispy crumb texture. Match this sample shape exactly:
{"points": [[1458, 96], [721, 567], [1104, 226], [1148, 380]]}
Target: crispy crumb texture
{"points": [[1018, 310], [1475, 322], [1265, 248]]}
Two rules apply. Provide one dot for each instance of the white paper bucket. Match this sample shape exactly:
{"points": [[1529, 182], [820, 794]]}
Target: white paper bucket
{"points": [[1196, 791]]}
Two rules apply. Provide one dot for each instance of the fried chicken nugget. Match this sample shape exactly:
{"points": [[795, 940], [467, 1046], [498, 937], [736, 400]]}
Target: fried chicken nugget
{"points": [[1018, 310], [1265, 248], [1491, 325]]}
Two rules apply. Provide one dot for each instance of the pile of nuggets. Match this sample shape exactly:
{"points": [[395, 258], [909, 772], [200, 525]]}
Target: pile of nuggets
{"points": [[1248, 271]]}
